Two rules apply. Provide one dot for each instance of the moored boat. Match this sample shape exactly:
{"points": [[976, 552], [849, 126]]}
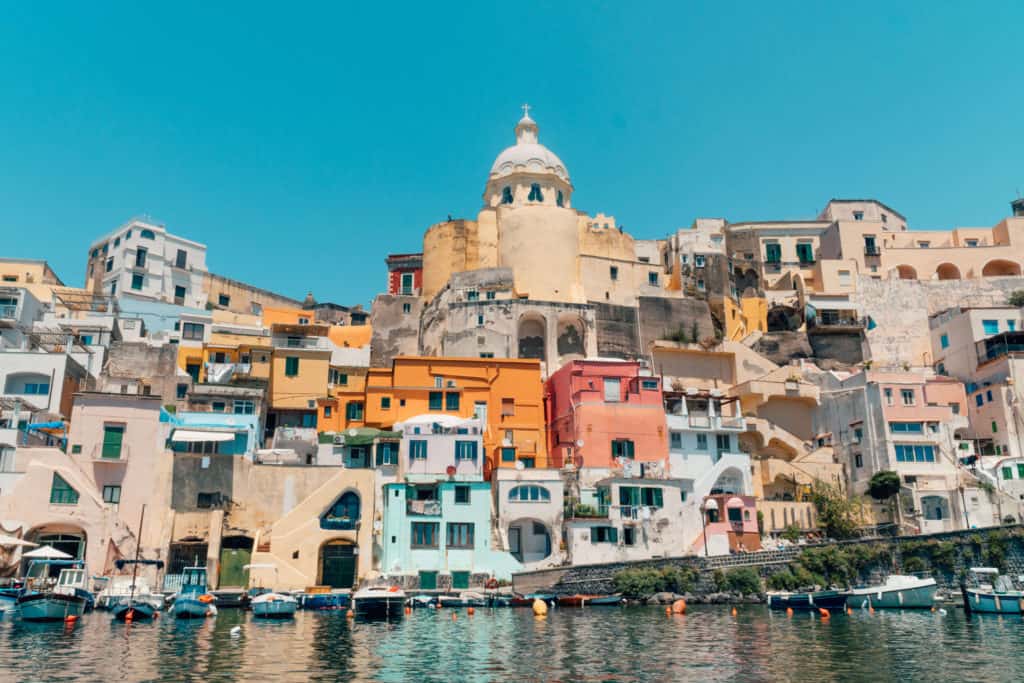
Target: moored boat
{"points": [[379, 601], [55, 602], [464, 599], [899, 591], [325, 601], [192, 601], [581, 600], [998, 597], [829, 600], [273, 606]]}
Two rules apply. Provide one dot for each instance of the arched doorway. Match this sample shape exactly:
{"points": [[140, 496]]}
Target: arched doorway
{"points": [[729, 481], [68, 541], [337, 564], [235, 553], [935, 508], [947, 271], [906, 272], [571, 343], [1000, 268], [529, 540], [532, 333], [344, 514]]}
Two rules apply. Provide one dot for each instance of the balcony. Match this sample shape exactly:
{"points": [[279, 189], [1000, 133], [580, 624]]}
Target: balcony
{"points": [[423, 508], [220, 373], [8, 311], [1000, 345], [339, 524], [872, 250], [99, 454], [316, 343], [836, 323]]}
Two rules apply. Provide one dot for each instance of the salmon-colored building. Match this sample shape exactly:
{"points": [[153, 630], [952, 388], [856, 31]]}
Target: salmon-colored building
{"points": [[603, 410]]}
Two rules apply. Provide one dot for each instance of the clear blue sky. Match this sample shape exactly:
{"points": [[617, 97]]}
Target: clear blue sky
{"points": [[304, 143]]}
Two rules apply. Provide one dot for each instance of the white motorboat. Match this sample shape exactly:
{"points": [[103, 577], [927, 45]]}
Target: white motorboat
{"points": [[379, 601], [899, 591], [274, 606]]}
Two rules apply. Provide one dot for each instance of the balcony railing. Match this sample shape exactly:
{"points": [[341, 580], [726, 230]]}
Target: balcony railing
{"points": [[872, 250], [300, 343], [426, 508], [842, 321], [8, 311], [339, 524], [700, 421]]}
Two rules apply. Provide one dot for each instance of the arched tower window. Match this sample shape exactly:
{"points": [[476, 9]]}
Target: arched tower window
{"points": [[559, 199], [506, 195], [535, 193]]}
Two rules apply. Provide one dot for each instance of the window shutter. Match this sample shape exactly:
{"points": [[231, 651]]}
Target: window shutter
{"points": [[112, 438], [613, 534]]}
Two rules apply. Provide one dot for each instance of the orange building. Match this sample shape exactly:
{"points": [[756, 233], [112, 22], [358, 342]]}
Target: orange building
{"points": [[506, 393]]}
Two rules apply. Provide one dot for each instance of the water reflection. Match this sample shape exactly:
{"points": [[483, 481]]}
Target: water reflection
{"points": [[596, 644]]}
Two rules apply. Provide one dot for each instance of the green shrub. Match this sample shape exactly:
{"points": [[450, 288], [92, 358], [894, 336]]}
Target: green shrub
{"points": [[1016, 298], [791, 533], [645, 581], [914, 564], [742, 580]]}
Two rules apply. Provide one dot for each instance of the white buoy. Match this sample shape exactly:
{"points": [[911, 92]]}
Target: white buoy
{"points": [[236, 631], [942, 612]]}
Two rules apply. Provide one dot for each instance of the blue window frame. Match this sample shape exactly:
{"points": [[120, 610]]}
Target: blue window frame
{"points": [[387, 454], [906, 428], [529, 494], [465, 450], [508, 454], [451, 401], [915, 453], [979, 400], [436, 400], [944, 341], [535, 194], [354, 410], [418, 449], [990, 326], [988, 395]]}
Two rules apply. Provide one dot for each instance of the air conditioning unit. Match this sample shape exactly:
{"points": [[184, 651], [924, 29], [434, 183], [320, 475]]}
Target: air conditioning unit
{"points": [[339, 439], [450, 384]]}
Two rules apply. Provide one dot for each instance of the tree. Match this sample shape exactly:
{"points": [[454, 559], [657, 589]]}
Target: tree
{"points": [[838, 516], [1017, 298], [884, 485]]}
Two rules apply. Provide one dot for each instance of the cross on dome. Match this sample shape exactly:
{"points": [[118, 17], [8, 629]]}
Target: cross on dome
{"points": [[526, 111]]}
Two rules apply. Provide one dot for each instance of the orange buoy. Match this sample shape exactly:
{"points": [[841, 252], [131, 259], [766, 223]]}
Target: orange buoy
{"points": [[540, 608], [129, 616], [350, 614], [733, 611], [849, 611], [70, 619], [825, 614], [679, 606], [789, 611], [871, 610], [454, 616], [408, 610], [668, 611], [470, 611]]}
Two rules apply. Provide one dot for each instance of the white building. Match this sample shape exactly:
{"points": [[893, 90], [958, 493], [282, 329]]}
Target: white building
{"points": [[530, 510], [144, 259]]}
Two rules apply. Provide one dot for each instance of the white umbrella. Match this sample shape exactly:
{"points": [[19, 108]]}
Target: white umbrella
{"points": [[47, 552], [12, 540]]}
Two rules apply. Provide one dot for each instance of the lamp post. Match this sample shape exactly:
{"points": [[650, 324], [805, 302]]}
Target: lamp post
{"points": [[704, 529]]}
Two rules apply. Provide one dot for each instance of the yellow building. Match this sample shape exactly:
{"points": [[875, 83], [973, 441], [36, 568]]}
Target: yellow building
{"points": [[298, 374], [506, 393]]}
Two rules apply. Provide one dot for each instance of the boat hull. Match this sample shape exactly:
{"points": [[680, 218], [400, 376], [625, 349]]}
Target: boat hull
{"points": [[920, 597], [274, 609], [50, 606], [589, 600], [380, 606], [830, 600], [987, 602], [190, 608], [325, 601], [139, 610]]}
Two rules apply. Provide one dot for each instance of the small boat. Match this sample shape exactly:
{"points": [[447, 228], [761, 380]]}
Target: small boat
{"points": [[900, 591], [464, 599], [192, 601], [589, 600], [527, 600], [998, 597], [379, 601], [66, 598], [829, 600], [422, 601], [123, 601], [325, 601], [499, 600], [274, 606], [237, 598]]}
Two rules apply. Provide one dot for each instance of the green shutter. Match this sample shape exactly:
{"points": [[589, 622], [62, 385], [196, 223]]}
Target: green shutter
{"points": [[291, 366], [658, 500], [613, 534], [436, 400], [113, 435], [625, 497]]}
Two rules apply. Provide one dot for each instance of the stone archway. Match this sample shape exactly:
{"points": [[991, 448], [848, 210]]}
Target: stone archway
{"points": [[336, 565], [947, 271], [571, 341], [729, 481], [1000, 268], [529, 540], [905, 272], [532, 336]]}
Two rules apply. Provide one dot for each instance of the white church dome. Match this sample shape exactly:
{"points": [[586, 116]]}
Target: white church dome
{"points": [[528, 155]]}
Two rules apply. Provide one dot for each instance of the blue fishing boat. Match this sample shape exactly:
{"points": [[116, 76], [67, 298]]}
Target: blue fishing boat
{"points": [[991, 593], [899, 591], [67, 597], [193, 601], [830, 600], [325, 601]]}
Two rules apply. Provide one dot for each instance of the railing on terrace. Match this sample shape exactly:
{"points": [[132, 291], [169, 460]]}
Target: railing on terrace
{"points": [[729, 422], [870, 250], [300, 343], [842, 321], [700, 421], [429, 508], [991, 350]]}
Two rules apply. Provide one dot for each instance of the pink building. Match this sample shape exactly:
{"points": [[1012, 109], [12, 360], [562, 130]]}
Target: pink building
{"points": [[602, 410]]}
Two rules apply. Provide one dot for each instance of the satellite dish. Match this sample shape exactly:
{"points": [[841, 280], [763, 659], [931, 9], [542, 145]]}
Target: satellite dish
{"points": [[450, 470], [353, 432], [519, 465], [579, 443]]}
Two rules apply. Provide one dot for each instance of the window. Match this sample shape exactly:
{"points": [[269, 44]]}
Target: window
{"points": [[181, 259], [491, 295], [906, 428], [612, 390], [1011, 325], [773, 253], [424, 534], [972, 243], [140, 257], [633, 496], [465, 450], [979, 400], [649, 384], [387, 454], [218, 406], [990, 326], [613, 272], [629, 535], [208, 500], [735, 515], [652, 279], [407, 284], [622, 448], [223, 300], [535, 194], [406, 308], [923, 244], [451, 401], [700, 285], [907, 396], [243, 407], [61, 492], [112, 494], [460, 535], [354, 410], [1020, 471], [147, 235], [179, 294], [508, 407], [1007, 473], [436, 400], [113, 436], [604, 534], [137, 280], [995, 427], [462, 494], [385, 403], [327, 411], [472, 295], [723, 442], [805, 252], [506, 195], [675, 440], [529, 494], [528, 463], [858, 460], [417, 449], [915, 453], [110, 264], [487, 354], [988, 395], [888, 397], [944, 341], [182, 390], [508, 454], [698, 260], [291, 366], [858, 215]]}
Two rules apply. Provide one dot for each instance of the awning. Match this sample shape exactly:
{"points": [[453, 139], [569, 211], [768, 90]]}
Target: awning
{"points": [[189, 436], [734, 502]]}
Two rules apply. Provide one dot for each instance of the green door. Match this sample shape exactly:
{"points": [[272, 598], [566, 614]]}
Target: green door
{"points": [[232, 561], [113, 435], [460, 579], [338, 566], [428, 581]]}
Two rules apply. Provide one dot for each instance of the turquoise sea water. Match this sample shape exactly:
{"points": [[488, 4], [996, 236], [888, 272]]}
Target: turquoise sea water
{"points": [[592, 644]]}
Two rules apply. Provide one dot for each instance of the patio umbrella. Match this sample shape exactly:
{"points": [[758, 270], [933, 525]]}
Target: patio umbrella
{"points": [[12, 540], [47, 552]]}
